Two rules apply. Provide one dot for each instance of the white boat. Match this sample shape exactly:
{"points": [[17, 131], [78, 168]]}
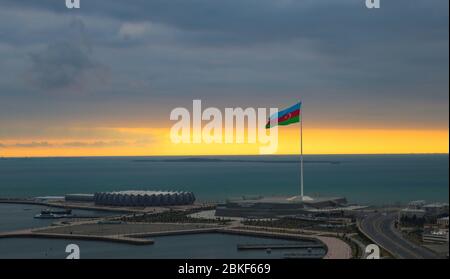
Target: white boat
{"points": [[55, 214]]}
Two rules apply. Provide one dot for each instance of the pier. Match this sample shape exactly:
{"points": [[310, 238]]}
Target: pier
{"points": [[117, 238], [139, 233], [335, 247], [266, 246]]}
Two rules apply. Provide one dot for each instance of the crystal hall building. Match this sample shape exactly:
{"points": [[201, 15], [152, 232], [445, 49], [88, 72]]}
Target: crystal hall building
{"points": [[144, 198]]}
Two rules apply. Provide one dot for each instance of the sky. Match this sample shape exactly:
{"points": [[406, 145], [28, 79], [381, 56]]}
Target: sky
{"points": [[102, 80]]}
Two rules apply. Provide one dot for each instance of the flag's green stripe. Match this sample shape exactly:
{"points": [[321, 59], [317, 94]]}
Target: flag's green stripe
{"points": [[286, 122], [290, 121]]}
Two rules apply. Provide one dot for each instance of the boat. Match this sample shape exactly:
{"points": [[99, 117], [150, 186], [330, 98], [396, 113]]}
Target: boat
{"points": [[59, 212], [54, 214], [48, 216]]}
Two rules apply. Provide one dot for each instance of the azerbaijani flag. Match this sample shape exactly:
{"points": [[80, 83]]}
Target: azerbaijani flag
{"points": [[286, 116]]}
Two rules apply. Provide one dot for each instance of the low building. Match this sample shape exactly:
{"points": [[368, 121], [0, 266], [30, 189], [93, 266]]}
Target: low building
{"points": [[436, 209], [50, 198], [420, 209], [412, 213], [271, 207], [79, 197], [144, 198], [439, 236], [416, 204], [442, 222]]}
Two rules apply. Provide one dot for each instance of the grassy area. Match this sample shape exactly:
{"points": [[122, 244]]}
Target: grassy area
{"points": [[172, 217], [414, 236], [292, 223], [121, 229]]}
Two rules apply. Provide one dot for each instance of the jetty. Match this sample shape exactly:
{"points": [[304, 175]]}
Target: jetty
{"points": [[115, 238], [266, 246]]}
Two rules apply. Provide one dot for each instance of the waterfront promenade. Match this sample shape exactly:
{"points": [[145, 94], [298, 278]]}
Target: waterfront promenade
{"points": [[336, 248], [140, 233], [109, 238]]}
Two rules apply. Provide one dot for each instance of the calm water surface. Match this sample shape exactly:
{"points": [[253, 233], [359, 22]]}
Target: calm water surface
{"points": [[200, 246], [376, 179]]}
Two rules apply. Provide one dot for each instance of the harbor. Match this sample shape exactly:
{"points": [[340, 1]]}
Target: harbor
{"points": [[316, 226], [327, 228], [111, 229], [277, 246]]}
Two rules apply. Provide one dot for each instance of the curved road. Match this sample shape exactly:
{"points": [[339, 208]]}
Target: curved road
{"points": [[380, 228]]}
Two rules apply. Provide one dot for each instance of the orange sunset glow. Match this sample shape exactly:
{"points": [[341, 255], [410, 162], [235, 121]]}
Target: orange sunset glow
{"points": [[93, 83], [156, 142]]}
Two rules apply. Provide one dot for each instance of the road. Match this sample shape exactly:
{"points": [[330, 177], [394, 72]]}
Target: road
{"points": [[380, 228]]}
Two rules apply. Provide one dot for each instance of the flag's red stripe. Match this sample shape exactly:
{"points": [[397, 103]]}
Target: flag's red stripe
{"points": [[288, 116]]}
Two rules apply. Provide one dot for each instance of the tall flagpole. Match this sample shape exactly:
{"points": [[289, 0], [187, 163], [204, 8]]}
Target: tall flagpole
{"points": [[301, 151]]}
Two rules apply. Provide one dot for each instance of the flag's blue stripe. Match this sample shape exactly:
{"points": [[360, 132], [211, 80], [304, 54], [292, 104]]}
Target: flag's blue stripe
{"points": [[295, 107]]}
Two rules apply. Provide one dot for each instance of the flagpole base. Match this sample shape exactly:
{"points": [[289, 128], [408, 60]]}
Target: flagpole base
{"points": [[300, 198]]}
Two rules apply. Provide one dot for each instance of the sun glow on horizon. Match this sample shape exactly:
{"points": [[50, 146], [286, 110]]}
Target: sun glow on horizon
{"points": [[156, 142]]}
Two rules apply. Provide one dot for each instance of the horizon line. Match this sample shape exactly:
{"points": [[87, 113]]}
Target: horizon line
{"points": [[223, 155]]}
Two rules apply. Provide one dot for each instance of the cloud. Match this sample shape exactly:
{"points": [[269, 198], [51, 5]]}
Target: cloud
{"points": [[133, 30], [386, 67], [60, 65], [143, 142], [256, 21], [94, 144], [74, 144], [32, 144], [64, 63]]}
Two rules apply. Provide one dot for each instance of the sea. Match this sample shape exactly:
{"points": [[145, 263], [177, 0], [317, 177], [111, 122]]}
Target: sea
{"points": [[190, 246], [363, 179]]}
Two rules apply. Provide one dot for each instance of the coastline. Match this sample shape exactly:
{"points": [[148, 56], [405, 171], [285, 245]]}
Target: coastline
{"points": [[334, 247]]}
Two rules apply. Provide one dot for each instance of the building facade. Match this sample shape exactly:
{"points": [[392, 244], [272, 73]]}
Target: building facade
{"points": [[144, 198]]}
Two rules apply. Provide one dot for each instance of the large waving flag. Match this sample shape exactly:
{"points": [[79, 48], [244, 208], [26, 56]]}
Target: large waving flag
{"points": [[286, 116]]}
